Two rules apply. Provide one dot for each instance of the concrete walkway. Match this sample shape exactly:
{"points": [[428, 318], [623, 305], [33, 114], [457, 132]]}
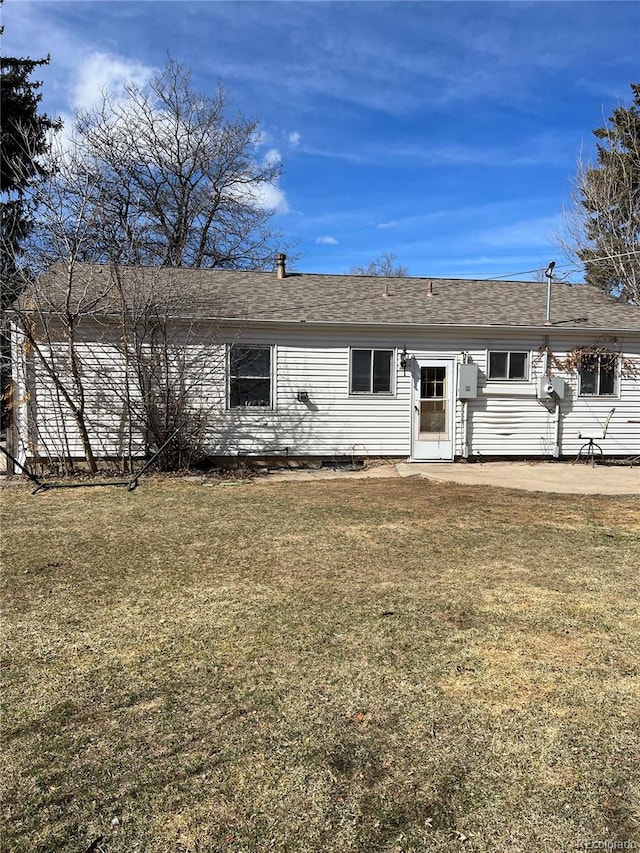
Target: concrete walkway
{"points": [[560, 477]]}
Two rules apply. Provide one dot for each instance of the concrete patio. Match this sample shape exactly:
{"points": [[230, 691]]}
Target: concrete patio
{"points": [[542, 476]]}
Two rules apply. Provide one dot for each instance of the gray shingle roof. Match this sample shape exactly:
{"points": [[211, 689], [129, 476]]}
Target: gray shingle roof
{"points": [[348, 299]]}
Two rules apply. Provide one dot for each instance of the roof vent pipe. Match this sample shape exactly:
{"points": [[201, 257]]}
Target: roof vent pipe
{"points": [[430, 289], [280, 267]]}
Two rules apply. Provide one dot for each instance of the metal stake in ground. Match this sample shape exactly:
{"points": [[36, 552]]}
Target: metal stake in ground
{"points": [[130, 484], [134, 480], [31, 476]]}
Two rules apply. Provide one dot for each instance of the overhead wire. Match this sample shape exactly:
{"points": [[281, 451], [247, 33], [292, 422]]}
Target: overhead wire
{"points": [[508, 274], [569, 267]]}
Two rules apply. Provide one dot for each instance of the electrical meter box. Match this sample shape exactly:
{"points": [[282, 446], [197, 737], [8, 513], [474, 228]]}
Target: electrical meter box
{"points": [[551, 387], [467, 381]]}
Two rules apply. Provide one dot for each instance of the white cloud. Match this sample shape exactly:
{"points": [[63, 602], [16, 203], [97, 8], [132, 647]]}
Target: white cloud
{"points": [[327, 241], [266, 196], [387, 224], [104, 72], [107, 73], [272, 157], [260, 137], [294, 139]]}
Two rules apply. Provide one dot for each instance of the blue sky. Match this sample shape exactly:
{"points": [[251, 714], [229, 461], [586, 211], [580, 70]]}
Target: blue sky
{"points": [[444, 132]]}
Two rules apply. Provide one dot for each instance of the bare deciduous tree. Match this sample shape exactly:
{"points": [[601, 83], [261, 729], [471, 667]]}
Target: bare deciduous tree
{"points": [[52, 308], [174, 366], [384, 265], [113, 348], [162, 179], [180, 177]]}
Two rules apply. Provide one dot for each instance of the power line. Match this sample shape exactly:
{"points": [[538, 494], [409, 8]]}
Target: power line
{"points": [[602, 258], [508, 274], [569, 267]]}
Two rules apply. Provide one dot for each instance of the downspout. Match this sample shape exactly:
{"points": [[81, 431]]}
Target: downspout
{"points": [[19, 430], [465, 417], [556, 448], [465, 429], [556, 403]]}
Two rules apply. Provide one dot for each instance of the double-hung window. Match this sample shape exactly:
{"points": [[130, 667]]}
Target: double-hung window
{"points": [[598, 375], [250, 376], [508, 365], [371, 371]]}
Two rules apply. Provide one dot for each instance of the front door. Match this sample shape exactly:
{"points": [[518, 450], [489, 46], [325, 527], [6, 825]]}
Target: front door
{"points": [[433, 410]]}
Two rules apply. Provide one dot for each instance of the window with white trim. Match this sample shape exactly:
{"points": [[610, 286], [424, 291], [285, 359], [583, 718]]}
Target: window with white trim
{"points": [[250, 377], [371, 371], [597, 373], [508, 365]]}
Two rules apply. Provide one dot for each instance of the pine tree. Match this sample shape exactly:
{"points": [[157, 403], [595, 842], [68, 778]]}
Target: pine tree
{"points": [[608, 214], [24, 138]]}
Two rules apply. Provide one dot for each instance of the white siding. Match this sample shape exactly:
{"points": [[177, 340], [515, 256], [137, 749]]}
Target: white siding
{"points": [[505, 420], [588, 414], [54, 428], [333, 422]]}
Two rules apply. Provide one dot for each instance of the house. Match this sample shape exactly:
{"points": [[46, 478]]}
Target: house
{"points": [[306, 365]]}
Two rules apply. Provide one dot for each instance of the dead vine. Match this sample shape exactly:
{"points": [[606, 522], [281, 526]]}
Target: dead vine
{"points": [[588, 356]]}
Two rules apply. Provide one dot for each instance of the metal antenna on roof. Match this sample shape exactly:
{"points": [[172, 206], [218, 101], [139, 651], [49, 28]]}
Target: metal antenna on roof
{"points": [[549, 274]]}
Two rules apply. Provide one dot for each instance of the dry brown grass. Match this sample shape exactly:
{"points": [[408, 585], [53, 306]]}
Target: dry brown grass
{"points": [[389, 665]]}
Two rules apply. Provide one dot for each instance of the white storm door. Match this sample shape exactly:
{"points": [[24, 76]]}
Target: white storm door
{"points": [[433, 406]]}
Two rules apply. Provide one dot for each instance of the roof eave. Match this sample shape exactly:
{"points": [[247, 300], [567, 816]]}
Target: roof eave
{"points": [[398, 325], [372, 324]]}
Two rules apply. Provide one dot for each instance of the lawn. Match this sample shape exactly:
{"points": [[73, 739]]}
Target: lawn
{"points": [[385, 665]]}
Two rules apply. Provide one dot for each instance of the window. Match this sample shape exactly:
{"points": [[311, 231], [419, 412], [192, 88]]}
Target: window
{"points": [[598, 375], [433, 402], [249, 376], [508, 365], [371, 371]]}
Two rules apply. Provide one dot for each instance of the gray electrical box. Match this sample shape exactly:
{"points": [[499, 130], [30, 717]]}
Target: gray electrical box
{"points": [[551, 387], [467, 381]]}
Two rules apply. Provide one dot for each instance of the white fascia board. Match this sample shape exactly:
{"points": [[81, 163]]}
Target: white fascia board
{"points": [[334, 324], [546, 330]]}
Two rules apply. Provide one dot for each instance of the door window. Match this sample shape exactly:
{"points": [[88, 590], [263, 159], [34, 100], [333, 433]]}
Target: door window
{"points": [[433, 403]]}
